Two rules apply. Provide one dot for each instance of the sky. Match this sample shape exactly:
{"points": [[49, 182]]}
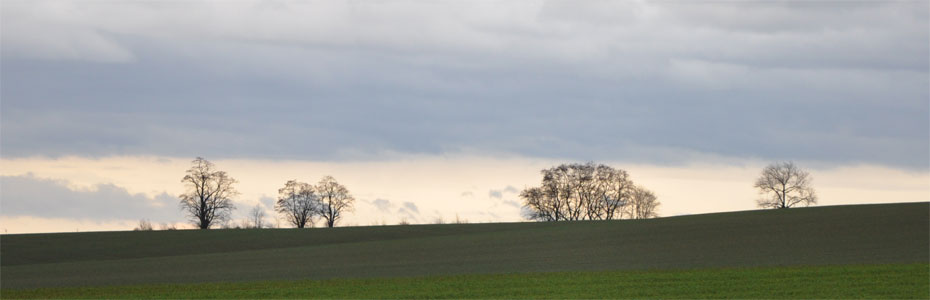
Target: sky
{"points": [[432, 110]]}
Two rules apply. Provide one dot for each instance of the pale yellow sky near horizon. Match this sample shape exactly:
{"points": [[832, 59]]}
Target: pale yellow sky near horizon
{"points": [[443, 187]]}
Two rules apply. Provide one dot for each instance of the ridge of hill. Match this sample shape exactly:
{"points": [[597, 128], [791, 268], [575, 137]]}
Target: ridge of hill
{"points": [[828, 235]]}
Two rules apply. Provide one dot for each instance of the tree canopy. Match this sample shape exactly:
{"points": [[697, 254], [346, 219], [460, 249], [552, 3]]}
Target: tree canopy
{"points": [[570, 192]]}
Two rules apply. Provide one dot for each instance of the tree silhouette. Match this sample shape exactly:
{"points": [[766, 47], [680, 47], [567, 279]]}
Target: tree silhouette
{"points": [[582, 192], [783, 185], [298, 202], [208, 198], [335, 200], [257, 217], [643, 204]]}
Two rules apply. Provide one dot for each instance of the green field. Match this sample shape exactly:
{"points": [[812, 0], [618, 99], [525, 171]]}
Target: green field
{"points": [[879, 248], [844, 281]]}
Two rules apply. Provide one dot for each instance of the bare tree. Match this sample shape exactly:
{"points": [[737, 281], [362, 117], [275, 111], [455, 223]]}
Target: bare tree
{"points": [[144, 225], [166, 226], [335, 200], [643, 204], [538, 205], [209, 194], [257, 216], [615, 191], [298, 202], [783, 185], [579, 192], [460, 220]]}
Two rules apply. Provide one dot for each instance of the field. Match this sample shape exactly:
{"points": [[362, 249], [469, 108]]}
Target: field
{"points": [[844, 281], [839, 251]]}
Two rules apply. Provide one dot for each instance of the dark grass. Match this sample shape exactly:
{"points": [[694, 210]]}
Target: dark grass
{"points": [[859, 234], [907, 281]]}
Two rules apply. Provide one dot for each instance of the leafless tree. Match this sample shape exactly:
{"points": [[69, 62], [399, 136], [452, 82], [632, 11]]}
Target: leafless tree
{"points": [[257, 216], [783, 185], [209, 194], [616, 190], [144, 225], [579, 192], [335, 200], [243, 224], [298, 202], [643, 204], [539, 206], [460, 220]]}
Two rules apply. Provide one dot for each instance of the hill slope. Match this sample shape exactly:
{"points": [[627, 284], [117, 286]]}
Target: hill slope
{"points": [[860, 234]]}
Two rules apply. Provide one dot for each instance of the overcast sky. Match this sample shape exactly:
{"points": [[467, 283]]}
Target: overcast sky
{"points": [[833, 84]]}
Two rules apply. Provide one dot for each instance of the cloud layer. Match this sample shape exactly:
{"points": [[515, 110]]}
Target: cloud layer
{"points": [[29, 196], [656, 82]]}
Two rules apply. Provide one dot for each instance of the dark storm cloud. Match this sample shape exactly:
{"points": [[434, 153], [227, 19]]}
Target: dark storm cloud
{"points": [[37, 197], [652, 82]]}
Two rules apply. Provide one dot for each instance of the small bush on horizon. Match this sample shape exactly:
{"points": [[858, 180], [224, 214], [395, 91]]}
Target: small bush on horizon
{"points": [[166, 226], [144, 225]]}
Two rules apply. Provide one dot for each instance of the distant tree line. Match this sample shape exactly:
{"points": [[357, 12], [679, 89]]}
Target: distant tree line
{"points": [[571, 192], [568, 192], [145, 225], [207, 200], [300, 202]]}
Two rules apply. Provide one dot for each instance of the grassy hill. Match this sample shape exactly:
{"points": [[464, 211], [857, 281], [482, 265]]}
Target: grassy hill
{"points": [[835, 235]]}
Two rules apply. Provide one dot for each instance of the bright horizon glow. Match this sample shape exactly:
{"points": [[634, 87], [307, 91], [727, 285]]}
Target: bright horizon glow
{"points": [[438, 187]]}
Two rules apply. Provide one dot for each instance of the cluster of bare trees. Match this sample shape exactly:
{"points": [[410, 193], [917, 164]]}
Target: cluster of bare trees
{"points": [[257, 217], [587, 192], [207, 200], [568, 192], [300, 202], [146, 225], [598, 192]]}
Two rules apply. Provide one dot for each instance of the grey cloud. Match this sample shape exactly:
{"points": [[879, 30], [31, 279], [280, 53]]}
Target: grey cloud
{"points": [[410, 212], [406, 209], [499, 194], [382, 204], [37, 197], [839, 83], [410, 206], [61, 40], [512, 203], [795, 16], [268, 202]]}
